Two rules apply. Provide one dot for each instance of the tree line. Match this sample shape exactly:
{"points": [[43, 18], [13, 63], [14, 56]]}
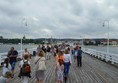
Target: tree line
{"points": [[17, 41]]}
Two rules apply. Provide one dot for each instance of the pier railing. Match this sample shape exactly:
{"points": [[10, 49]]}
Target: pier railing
{"points": [[4, 55], [113, 58]]}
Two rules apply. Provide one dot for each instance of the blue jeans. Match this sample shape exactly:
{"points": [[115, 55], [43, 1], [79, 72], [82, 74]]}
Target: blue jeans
{"points": [[13, 65], [79, 61], [66, 68]]}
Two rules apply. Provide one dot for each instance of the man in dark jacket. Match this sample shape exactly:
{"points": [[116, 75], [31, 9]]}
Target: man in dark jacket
{"points": [[12, 55], [79, 57]]}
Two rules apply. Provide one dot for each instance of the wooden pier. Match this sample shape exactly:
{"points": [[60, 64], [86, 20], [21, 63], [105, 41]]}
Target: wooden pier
{"points": [[92, 71]]}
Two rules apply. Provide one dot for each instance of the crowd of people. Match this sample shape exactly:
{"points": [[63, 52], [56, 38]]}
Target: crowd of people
{"points": [[63, 60]]}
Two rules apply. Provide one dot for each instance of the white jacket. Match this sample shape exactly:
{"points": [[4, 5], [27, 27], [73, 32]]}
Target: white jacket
{"points": [[67, 58]]}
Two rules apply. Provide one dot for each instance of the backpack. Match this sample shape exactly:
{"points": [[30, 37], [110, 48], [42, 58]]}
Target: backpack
{"points": [[26, 68]]}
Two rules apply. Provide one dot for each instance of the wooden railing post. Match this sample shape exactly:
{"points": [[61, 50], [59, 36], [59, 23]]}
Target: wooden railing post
{"points": [[113, 58], [0, 59]]}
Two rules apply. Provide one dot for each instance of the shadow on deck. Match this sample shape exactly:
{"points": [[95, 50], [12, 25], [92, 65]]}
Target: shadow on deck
{"points": [[92, 71]]}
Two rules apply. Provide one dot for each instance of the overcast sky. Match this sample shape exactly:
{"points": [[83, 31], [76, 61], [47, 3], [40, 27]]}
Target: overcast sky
{"points": [[58, 18]]}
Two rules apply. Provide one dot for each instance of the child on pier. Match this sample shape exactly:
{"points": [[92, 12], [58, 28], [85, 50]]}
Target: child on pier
{"points": [[6, 66], [59, 71], [25, 70], [6, 77]]}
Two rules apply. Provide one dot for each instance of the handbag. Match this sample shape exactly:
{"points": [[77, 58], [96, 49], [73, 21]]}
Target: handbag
{"points": [[42, 66], [69, 63]]}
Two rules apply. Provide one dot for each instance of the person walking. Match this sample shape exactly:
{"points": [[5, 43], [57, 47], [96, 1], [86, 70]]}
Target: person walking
{"points": [[25, 69], [59, 71], [38, 49], [26, 52], [12, 55], [40, 67], [55, 52], [79, 57], [44, 50], [59, 56], [75, 54], [67, 63], [48, 54]]}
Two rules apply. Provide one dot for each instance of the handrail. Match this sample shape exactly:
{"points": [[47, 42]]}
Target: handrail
{"points": [[113, 58], [4, 55]]}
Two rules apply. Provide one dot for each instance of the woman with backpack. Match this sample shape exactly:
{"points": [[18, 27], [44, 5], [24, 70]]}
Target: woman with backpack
{"points": [[40, 67], [25, 69], [6, 66]]}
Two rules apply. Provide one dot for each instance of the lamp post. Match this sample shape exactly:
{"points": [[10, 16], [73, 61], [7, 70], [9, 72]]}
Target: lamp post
{"points": [[25, 23], [108, 35], [21, 44]]}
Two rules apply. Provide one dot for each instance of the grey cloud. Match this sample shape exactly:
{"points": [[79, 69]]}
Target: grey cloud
{"points": [[9, 9], [59, 18]]}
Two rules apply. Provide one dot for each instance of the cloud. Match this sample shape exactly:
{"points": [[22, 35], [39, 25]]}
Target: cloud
{"points": [[58, 18]]}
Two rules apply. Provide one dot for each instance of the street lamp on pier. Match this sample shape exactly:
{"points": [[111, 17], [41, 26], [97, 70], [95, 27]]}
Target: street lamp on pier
{"points": [[22, 38], [107, 35], [24, 23]]}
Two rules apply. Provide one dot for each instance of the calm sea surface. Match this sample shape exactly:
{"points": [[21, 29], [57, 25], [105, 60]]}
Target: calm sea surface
{"points": [[112, 49], [5, 47]]}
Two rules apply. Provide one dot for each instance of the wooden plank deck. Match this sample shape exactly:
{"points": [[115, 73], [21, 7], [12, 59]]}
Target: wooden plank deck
{"points": [[92, 71]]}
